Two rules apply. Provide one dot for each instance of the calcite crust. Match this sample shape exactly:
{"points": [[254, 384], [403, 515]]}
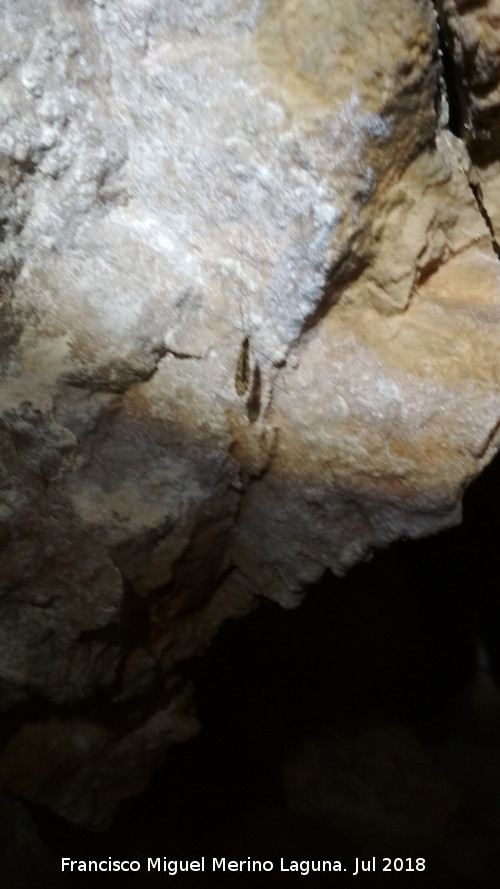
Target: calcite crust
{"points": [[249, 329]]}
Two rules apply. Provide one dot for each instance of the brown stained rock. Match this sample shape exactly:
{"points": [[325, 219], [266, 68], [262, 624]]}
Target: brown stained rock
{"points": [[472, 52], [251, 328]]}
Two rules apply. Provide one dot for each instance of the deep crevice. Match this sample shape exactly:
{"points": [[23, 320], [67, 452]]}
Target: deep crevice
{"points": [[457, 113], [455, 122]]}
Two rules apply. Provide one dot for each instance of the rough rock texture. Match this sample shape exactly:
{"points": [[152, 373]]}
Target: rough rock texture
{"points": [[472, 46], [250, 329], [471, 32]]}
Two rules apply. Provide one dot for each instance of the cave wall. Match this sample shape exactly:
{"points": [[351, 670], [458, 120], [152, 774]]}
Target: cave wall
{"points": [[249, 330]]}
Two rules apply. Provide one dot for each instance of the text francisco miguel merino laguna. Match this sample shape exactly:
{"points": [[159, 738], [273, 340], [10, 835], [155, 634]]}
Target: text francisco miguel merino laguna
{"points": [[244, 865]]}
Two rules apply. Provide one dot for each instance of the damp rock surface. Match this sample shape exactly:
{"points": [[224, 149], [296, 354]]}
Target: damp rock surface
{"points": [[249, 329]]}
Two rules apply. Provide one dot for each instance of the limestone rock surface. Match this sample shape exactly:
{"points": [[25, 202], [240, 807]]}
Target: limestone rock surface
{"points": [[249, 327], [471, 32]]}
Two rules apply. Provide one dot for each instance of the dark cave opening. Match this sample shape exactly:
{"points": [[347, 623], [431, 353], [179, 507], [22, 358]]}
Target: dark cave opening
{"points": [[387, 650]]}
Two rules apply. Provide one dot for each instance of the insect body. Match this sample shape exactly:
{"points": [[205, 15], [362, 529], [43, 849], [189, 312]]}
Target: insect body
{"points": [[244, 380], [242, 375]]}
